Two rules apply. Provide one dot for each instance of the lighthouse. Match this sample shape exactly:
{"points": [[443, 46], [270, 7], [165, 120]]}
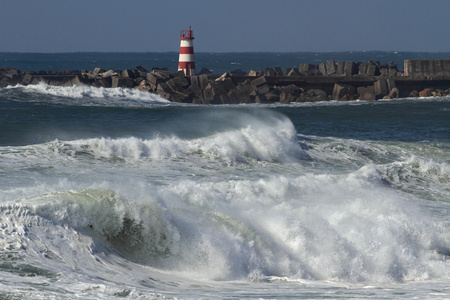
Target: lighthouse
{"points": [[186, 60]]}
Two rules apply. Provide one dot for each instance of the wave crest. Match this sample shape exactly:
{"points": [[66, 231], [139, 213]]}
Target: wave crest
{"points": [[88, 95]]}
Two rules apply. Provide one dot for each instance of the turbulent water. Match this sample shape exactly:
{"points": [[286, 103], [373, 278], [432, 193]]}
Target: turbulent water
{"points": [[116, 193]]}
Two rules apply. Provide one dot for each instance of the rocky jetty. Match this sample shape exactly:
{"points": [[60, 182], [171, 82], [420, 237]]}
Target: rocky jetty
{"points": [[327, 81]]}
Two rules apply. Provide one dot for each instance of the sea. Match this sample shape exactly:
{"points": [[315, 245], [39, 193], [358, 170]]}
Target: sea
{"points": [[120, 194]]}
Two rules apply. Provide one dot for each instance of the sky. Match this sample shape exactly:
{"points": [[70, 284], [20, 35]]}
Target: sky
{"points": [[53, 26]]}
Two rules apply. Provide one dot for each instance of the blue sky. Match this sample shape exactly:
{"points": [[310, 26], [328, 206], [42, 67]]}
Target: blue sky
{"points": [[225, 26]]}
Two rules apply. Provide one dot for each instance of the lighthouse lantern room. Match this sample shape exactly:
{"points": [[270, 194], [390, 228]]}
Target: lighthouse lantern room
{"points": [[186, 60]]}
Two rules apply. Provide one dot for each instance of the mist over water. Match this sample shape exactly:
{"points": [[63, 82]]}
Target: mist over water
{"points": [[109, 193]]}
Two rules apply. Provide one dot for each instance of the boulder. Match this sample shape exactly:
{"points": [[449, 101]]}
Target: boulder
{"points": [[426, 92]]}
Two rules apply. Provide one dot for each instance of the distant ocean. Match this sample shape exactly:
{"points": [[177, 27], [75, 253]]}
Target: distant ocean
{"points": [[216, 62], [118, 193]]}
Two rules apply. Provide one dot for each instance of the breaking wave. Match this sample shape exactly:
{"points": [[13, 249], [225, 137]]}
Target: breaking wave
{"points": [[87, 95], [315, 227]]}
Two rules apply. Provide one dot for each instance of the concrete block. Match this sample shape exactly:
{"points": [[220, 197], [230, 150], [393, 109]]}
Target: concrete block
{"points": [[208, 95], [108, 73], [263, 89], [123, 82], [172, 85], [272, 97], [153, 79], [97, 71], [394, 93], [26, 79], [128, 73], [161, 73], [331, 67], [259, 81], [304, 68], [381, 88], [294, 72], [323, 68], [181, 81], [340, 68], [179, 74], [313, 95], [103, 82], [269, 72], [141, 71], [366, 93], [350, 68], [203, 80], [194, 81], [227, 83], [163, 87], [255, 73], [75, 80], [390, 83], [438, 68], [278, 71], [343, 92]]}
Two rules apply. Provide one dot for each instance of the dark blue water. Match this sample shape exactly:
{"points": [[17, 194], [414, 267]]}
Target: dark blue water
{"points": [[405, 120], [216, 62]]}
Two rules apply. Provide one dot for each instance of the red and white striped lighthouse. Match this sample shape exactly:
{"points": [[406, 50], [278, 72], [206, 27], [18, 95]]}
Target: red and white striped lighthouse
{"points": [[186, 61]]}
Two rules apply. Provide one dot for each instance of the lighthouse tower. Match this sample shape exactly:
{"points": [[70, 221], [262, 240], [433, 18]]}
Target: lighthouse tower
{"points": [[186, 61]]}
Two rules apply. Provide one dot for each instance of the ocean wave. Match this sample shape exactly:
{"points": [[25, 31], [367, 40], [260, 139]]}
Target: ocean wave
{"points": [[88, 95], [273, 141], [314, 227]]}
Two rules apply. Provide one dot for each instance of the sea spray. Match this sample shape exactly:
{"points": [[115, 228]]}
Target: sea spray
{"points": [[88, 95], [312, 227]]}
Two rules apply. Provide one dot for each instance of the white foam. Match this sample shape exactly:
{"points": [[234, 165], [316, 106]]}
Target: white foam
{"points": [[314, 227], [90, 93], [255, 141]]}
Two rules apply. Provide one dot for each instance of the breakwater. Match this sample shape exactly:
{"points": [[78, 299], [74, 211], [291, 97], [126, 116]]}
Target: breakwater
{"points": [[327, 81]]}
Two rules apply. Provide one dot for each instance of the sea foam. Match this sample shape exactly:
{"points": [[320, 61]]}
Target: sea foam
{"points": [[84, 94], [314, 227]]}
